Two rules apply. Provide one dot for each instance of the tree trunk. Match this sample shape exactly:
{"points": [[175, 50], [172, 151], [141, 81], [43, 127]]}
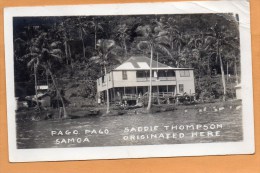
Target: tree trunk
{"points": [[108, 110], [95, 37], [65, 114], [209, 71], [150, 86], [71, 61], [227, 73], [236, 69], [158, 98], [66, 51], [179, 56], [83, 44], [171, 43], [47, 79], [35, 84], [222, 76], [125, 48]]}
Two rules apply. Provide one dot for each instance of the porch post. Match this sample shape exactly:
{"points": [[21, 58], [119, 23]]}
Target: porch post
{"points": [[110, 94], [114, 94]]}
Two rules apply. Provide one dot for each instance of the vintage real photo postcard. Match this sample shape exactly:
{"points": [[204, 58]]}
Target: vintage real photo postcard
{"points": [[129, 80]]}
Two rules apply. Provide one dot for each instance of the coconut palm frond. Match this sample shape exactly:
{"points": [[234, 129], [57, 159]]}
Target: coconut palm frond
{"points": [[31, 62], [99, 26], [115, 50], [40, 39], [44, 50], [163, 49], [173, 30], [163, 40], [91, 24], [105, 45], [19, 40], [144, 30], [211, 54], [56, 57], [84, 31], [231, 45], [114, 59], [143, 44], [163, 33], [29, 55], [55, 44], [209, 41], [95, 58], [34, 49], [56, 51]]}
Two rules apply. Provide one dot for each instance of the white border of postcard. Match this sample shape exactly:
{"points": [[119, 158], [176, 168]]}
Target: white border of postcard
{"points": [[144, 151]]}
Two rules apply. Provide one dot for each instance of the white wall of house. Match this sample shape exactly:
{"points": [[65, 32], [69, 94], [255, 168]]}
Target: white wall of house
{"points": [[187, 79], [115, 79], [132, 81]]}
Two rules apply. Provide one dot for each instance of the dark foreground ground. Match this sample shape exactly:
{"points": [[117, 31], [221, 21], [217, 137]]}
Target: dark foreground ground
{"points": [[180, 126]]}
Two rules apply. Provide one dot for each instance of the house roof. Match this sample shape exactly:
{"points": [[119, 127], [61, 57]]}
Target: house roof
{"points": [[142, 63]]}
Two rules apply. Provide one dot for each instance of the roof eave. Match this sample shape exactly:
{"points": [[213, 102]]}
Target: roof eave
{"points": [[169, 68]]}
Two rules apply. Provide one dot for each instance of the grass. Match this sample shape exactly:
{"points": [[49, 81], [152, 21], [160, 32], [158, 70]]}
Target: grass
{"points": [[37, 134]]}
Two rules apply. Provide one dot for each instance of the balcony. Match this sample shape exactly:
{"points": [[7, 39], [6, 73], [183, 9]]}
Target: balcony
{"points": [[145, 79]]}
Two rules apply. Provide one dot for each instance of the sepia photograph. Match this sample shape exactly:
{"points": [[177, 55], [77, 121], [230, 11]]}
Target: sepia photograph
{"points": [[153, 79]]}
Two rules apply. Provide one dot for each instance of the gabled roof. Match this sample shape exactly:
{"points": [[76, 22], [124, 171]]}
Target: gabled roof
{"points": [[141, 62]]}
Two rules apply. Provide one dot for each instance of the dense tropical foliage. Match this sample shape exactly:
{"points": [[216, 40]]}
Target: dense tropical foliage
{"points": [[64, 49]]}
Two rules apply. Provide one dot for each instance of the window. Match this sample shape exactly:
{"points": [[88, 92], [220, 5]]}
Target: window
{"points": [[124, 75], [103, 79], [109, 76], [140, 74], [171, 73], [162, 73], [98, 82], [185, 73], [162, 88], [181, 88], [147, 74]]}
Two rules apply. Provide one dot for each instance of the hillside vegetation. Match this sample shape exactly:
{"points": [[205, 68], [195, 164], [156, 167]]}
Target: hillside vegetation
{"points": [[70, 53]]}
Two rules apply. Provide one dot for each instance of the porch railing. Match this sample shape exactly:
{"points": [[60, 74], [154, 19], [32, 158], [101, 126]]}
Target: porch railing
{"points": [[130, 96], [160, 94], [155, 94], [145, 79]]}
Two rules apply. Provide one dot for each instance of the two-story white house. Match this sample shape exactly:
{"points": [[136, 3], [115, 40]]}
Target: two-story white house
{"points": [[131, 79]]}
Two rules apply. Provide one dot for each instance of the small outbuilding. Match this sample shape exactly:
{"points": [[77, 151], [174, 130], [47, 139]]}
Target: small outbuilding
{"points": [[238, 91]]}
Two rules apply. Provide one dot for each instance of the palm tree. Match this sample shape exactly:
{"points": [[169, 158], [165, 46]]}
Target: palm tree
{"points": [[81, 26], [52, 55], [29, 47], [123, 36], [172, 37], [216, 44], [107, 54], [96, 26], [34, 63], [153, 40], [46, 54], [63, 31]]}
